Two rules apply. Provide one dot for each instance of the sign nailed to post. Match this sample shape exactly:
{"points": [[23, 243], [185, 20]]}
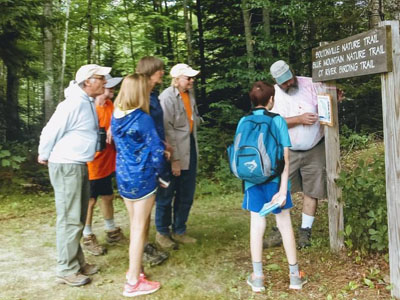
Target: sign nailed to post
{"points": [[362, 54]]}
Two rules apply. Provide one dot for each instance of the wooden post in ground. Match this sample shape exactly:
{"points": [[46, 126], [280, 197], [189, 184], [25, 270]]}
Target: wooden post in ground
{"points": [[332, 153], [391, 129]]}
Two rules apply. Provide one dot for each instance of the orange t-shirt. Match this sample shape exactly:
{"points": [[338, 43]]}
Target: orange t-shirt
{"points": [[104, 161], [188, 108]]}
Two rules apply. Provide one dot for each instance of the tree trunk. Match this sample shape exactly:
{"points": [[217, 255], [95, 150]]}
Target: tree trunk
{"points": [[267, 29], [375, 12], [48, 60], [188, 29], [170, 49], [128, 21], [13, 130], [64, 52], [201, 50], [90, 32], [248, 35]]}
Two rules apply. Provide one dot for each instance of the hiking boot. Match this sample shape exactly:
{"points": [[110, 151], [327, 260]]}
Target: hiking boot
{"points": [[76, 279], [152, 256], [91, 245], [114, 236], [142, 287], [274, 239], [297, 282], [89, 269], [165, 241], [256, 283], [304, 238], [183, 238]]}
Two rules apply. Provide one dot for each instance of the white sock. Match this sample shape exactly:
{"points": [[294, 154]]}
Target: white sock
{"points": [[307, 221], [87, 230], [109, 224]]}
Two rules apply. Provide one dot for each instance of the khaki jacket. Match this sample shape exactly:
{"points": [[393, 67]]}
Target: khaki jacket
{"points": [[176, 124]]}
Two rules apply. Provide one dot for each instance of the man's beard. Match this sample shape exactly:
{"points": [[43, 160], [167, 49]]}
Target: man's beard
{"points": [[293, 89]]}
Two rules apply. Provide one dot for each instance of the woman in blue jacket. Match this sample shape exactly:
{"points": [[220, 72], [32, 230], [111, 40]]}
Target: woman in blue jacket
{"points": [[140, 158]]}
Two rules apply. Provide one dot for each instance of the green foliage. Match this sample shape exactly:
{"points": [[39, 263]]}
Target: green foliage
{"points": [[364, 195], [350, 140], [214, 137], [9, 160]]}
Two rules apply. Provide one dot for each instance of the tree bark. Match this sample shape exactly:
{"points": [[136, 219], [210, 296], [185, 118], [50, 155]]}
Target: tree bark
{"points": [[64, 52], [188, 29], [128, 21], [13, 130], [201, 51], [48, 44], [170, 49], [90, 32], [267, 30], [375, 12], [248, 35]]}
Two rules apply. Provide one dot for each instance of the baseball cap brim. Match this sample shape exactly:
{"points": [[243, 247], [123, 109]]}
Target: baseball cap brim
{"points": [[102, 71], [112, 82], [190, 73], [284, 77]]}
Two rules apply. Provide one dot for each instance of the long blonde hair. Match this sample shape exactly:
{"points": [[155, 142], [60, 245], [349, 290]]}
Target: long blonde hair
{"points": [[134, 93]]}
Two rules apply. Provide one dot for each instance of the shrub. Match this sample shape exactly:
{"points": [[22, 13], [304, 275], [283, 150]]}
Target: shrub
{"points": [[365, 212]]}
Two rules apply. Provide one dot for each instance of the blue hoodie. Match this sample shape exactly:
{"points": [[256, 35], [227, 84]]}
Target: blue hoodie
{"points": [[140, 153]]}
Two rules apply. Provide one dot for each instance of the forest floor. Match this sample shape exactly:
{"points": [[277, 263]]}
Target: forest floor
{"points": [[214, 268]]}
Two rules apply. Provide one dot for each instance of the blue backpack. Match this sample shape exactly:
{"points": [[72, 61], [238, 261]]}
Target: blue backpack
{"points": [[256, 154]]}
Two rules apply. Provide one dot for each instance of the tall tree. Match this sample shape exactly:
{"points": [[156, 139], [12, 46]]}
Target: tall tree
{"points": [[375, 12], [188, 30], [48, 44], [64, 51], [248, 35], [201, 51], [90, 38]]}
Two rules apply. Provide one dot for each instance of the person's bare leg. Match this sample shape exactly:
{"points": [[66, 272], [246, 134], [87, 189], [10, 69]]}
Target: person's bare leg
{"points": [[309, 205], [284, 224], [89, 215], [107, 207], [139, 212]]}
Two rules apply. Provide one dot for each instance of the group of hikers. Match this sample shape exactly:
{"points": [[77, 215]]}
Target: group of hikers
{"points": [[149, 141]]}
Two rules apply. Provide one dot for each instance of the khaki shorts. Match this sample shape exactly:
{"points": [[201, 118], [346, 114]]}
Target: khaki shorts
{"points": [[307, 171]]}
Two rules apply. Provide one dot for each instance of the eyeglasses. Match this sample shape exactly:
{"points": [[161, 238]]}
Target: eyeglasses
{"points": [[189, 78], [98, 77]]}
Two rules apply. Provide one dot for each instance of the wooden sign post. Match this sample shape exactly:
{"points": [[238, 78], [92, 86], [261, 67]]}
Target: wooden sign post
{"points": [[371, 52], [391, 133]]}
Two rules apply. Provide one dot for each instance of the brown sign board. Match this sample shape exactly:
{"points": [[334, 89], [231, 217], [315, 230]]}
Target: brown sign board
{"points": [[366, 53]]}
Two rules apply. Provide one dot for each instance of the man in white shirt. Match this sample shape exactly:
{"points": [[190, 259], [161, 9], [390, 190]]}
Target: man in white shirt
{"points": [[67, 143], [296, 101]]}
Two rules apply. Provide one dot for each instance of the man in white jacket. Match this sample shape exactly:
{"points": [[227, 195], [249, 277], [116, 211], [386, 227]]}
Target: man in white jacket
{"points": [[67, 143]]}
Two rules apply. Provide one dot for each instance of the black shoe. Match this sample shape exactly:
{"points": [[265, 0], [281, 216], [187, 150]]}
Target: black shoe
{"points": [[152, 256], [274, 239], [304, 238]]}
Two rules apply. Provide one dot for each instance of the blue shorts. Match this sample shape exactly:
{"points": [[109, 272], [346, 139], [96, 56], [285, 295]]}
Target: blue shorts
{"points": [[256, 196]]}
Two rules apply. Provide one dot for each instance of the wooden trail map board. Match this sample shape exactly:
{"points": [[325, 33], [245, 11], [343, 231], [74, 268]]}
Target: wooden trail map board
{"points": [[371, 52], [362, 54]]}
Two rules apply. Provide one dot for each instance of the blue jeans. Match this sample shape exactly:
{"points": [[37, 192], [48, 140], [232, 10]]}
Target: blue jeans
{"points": [[178, 194]]}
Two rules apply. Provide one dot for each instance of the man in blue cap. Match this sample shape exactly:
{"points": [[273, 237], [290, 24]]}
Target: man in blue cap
{"points": [[296, 101]]}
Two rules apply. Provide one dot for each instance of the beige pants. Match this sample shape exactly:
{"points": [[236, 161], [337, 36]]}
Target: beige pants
{"points": [[71, 190], [307, 171]]}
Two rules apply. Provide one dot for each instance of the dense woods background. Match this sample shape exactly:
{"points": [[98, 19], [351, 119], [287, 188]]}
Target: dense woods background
{"points": [[233, 43]]}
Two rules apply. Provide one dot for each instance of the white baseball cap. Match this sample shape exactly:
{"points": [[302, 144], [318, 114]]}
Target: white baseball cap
{"points": [[87, 71], [183, 69], [281, 72], [112, 81]]}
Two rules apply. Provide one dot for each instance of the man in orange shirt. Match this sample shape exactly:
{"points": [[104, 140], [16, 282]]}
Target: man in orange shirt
{"points": [[101, 170]]}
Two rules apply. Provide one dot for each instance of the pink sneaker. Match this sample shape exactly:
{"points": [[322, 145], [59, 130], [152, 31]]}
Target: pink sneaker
{"points": [[141, 275], [142, 287]]}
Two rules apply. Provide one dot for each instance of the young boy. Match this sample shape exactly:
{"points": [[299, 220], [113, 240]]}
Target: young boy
{"points": [[262, 98]]}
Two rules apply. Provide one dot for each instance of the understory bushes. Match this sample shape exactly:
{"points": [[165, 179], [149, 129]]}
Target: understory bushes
{"points": [[364, 196]]}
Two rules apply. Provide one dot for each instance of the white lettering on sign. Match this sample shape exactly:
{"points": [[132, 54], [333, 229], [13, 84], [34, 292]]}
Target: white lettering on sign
{"points": [[355, 55], [327, 51], [348, 68], [367, 64], [372, 39], [333, 60], [330, 71], [376, 50], [351, 45]]}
